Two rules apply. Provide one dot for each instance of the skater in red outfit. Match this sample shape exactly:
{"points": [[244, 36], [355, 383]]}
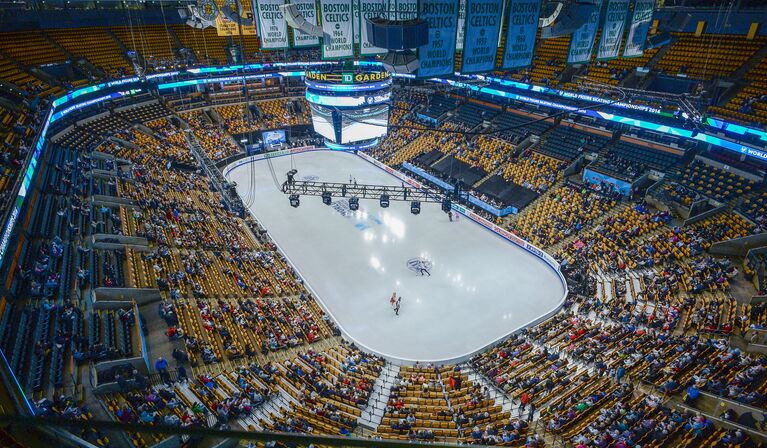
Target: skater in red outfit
{"points": [[393, 299]]}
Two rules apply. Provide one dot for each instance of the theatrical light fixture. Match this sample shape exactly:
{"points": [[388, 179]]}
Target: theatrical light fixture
{"points": [[326, 197], [294, 201], [415, 207], [384, 201], [354, 204], [446, 205]]}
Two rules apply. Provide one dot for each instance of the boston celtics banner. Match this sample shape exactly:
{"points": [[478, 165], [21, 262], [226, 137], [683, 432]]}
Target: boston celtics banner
{"points": [[308, 8], [356, 21], [337, 29], [640, 26], [520, 35], [612, 29], [437, 57], [459, 35], [272, 27], [406, 9], [370, 9], [582, 43], [483, 23]]}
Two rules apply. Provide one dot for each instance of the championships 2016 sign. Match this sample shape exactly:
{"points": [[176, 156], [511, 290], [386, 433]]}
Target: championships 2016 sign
{"points": [[437, 57], [582, 43], [640, 26], [613, 28], [337, 29], [521, 32], [272, 27], [307, 8], [483, 23]]}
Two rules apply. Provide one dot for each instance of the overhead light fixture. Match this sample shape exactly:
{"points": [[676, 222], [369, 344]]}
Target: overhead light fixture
{"points": [[326, 197], [354, 204], [415, 207], [294, 201], [384, 201]]}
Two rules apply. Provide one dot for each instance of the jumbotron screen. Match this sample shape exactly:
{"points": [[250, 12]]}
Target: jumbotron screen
{"points": [[364, 124], [322, 121]]}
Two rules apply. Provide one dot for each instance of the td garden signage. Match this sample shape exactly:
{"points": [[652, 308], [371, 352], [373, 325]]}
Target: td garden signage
{"points": [[347, 77]]}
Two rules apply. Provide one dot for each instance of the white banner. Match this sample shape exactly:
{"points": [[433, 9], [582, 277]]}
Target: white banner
{"points": [[307, 8], [337, 28], [356, 20], [272, 27], [407, 9], [461, 25], [369, 9]]}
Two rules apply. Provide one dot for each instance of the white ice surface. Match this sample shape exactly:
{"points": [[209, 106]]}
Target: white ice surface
{"points": [[481, 288]]}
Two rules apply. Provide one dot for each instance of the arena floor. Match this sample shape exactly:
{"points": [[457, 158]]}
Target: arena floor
{"points": [[481, 288]]}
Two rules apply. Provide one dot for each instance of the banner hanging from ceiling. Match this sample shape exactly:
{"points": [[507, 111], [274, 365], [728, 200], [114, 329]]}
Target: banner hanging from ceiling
{"points": [[368, 10], [272, 27], [520, 34], [437, 57], [337, 29], [308, 8], [406, 9], [582, 40], [640, 26], [459, 35], [483, 23], [230, 10], [613, 29]]}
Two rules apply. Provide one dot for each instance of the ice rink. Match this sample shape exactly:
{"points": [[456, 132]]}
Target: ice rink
{"points": [[481, 288]]}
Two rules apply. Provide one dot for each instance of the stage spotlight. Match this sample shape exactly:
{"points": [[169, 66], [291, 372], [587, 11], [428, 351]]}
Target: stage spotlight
{"points": [[446, 205], [415, 207], [294, 201], [384, 201], [326, 197], [354, 204]]}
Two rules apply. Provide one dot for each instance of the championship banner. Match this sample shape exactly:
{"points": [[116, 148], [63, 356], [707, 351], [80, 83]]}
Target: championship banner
{"points": [[338, 39], [640, 26], [460, 34], [226, 27], [406, 9], [483, 23], [272, 27], [613, 28], [582, 43], [437, 57], [521, 33], [370, 9], [356, 20], [308, 8]]}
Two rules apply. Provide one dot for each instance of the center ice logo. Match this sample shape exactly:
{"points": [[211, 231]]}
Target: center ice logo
{"points": [[365, 221]]}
